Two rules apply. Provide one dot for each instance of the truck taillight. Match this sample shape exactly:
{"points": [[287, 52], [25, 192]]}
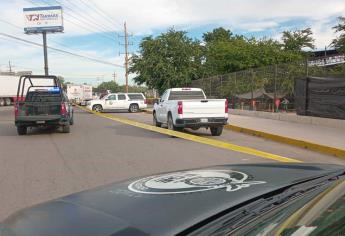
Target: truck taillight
{"points": [[226, 106], [179, 107], [63, 110], [145, 101]]}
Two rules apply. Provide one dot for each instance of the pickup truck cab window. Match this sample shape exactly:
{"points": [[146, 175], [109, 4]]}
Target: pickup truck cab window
{"points": [[186, 95], [164, 96]]}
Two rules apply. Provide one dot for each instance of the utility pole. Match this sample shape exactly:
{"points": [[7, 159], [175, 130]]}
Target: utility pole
{"points": [[10, 66], [126, 43], [114, 76], [126, 55]]}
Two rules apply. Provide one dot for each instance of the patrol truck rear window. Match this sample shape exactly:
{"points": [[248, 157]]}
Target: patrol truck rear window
{"points": [[135, 96], [186, 95]]}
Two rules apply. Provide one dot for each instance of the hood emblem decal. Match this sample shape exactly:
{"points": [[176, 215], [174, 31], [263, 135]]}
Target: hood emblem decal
{"points": [[193, 181]]}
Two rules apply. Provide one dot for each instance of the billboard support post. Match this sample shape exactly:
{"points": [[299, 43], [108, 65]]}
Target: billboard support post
{"points": [[46, 71]]}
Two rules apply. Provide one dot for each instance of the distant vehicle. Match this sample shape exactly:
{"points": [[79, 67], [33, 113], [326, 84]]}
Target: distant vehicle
{"points": [[189, 108], [133, 102], [79, 94], [236, 200], [41, 101], [8, 89]]}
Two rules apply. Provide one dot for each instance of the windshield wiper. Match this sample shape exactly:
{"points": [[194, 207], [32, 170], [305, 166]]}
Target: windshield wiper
{"points": [[240, 216]]}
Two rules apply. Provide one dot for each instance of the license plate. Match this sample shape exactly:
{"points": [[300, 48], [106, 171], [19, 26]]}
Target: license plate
{"points": [[204, 120], [40, 122]]}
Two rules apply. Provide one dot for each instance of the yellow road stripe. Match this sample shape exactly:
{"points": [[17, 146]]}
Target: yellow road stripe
{"points": [[198, 139]]}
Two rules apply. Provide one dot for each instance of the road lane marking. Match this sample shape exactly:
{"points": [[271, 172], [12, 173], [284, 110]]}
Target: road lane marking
{"points": [[194, 138]]}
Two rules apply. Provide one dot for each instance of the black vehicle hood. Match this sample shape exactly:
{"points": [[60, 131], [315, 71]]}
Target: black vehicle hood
{"points": [[164, 204]]}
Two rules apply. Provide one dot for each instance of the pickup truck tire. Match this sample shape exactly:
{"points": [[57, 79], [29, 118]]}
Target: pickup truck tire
{"points": [[97, 108], [71, 121], [66, 128], [171, 125], [133, 108], [216, 131], [155, 122], [22, 130]]}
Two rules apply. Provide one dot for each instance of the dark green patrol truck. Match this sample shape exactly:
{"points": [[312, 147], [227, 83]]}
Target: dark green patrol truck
{"points": [[41, 102]]}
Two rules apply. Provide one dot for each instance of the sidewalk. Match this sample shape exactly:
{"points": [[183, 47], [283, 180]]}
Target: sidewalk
{"points": [[322, 135], [315, 137]]}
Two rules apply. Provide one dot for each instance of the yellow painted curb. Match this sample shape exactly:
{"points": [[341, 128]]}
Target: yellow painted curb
{"points": [[194, 138], [290, 141]]}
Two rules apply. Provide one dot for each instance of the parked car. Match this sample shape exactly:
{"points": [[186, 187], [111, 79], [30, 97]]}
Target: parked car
{"points": [[133, 102], [189, 108], [247, 199], [40, 102]]}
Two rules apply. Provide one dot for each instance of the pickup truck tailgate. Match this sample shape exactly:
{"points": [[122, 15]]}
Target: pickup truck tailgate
{"points": [[204, 108]]}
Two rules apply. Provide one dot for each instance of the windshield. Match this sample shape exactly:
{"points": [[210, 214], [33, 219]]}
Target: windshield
{"points": [[314, 215]]}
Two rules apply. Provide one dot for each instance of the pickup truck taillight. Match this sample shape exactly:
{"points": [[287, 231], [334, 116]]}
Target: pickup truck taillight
{"points": [[226, 106], [63, 110], [145, 101], [179, 107]]}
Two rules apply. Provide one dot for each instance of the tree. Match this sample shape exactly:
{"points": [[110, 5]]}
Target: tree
{"points": [[339, 42], [170, 60], [109, 85], [298, 39], [217, 35]]}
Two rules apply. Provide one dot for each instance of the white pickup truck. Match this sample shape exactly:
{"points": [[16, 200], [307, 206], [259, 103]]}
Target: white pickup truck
{"points": [[189, 108], [132, 102]]}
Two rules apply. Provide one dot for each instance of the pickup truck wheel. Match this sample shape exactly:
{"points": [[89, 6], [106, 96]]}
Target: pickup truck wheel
{"points": [[133, 108], [66, 129], [171, 125], [71, 121], [216, 131], [155, 122], [97, 108], [22, 130]]}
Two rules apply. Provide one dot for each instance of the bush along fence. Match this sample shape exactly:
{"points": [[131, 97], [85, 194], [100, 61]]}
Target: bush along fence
{"points": [[269, 88]]}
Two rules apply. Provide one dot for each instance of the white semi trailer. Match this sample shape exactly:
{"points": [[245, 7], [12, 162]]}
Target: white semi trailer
{"points": [[79, 94], [8, 89]]}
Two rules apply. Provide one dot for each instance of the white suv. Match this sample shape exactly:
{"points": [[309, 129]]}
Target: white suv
{"points": [[132, 102]]}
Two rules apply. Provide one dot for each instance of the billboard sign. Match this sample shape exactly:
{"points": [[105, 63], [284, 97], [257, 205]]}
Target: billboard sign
{"points": [[43, 19]]}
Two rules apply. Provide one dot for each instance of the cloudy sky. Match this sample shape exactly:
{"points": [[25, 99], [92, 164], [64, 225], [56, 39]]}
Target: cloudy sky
{"points": [[94, 28]]}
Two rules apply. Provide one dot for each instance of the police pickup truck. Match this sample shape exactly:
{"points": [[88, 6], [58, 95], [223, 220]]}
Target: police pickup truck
{"points": [[41, 101]]}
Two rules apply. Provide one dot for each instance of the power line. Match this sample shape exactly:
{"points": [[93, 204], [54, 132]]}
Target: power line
{"points": [[100, 11], [82, 25], [87, 21], [61, 51], [58, 43]]}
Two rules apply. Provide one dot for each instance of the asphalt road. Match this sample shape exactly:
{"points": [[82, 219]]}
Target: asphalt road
{"points": [[47, 164]]}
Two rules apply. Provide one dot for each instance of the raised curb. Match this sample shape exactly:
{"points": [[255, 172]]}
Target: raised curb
{"points": [[286, 140], [290, 141], [333, 123]]}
